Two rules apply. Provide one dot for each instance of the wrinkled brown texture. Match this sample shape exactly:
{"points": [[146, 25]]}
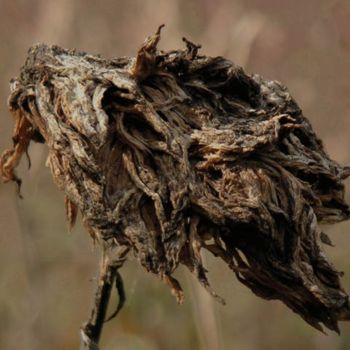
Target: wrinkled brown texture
{"points": [[173, 152]]}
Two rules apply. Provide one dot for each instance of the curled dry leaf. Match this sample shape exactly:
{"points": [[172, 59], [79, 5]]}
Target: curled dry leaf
{"points": [[170, 153]]}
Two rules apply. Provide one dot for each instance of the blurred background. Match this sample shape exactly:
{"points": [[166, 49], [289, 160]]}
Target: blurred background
{"points": [[48, 274]]}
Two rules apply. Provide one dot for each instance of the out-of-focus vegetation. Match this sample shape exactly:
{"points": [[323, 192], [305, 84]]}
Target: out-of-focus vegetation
{"points": [[47, 275]]}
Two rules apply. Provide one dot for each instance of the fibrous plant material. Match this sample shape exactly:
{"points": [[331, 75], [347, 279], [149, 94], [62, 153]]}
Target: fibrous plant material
{"points": [[172, 152]]}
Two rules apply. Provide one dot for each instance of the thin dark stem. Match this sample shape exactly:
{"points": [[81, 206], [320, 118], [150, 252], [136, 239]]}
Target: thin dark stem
{"points": [[91, 331], [109, 274]]}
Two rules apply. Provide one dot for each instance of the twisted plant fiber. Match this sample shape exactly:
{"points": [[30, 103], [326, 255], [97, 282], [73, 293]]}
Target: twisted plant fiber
{"points": [[172, 152]]}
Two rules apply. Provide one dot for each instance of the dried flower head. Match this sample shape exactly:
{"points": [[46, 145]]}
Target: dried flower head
{"points": [[172, 152]]}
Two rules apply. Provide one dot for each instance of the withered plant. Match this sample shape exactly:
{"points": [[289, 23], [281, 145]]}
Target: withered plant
{"points": [[173, 152]]}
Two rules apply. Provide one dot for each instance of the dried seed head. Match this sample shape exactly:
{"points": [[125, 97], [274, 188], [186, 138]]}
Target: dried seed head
{"points": [[174, 152]]}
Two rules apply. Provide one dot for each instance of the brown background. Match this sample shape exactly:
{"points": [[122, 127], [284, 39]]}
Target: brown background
{"points": [[47, 274]]}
